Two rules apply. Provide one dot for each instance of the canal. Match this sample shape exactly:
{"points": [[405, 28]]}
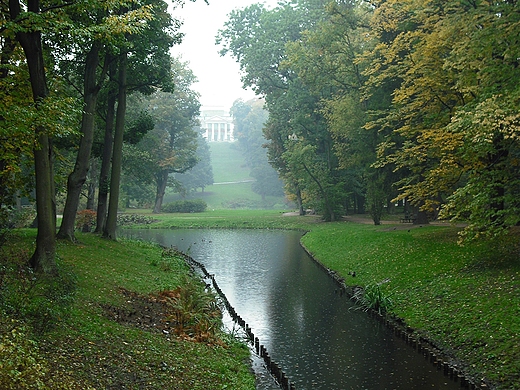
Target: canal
{"points": [[317, 335]]}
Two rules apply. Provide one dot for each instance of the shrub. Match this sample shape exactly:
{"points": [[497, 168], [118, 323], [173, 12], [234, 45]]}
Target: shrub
{"points": [[185, 206], [85, 220], [196, 311]]}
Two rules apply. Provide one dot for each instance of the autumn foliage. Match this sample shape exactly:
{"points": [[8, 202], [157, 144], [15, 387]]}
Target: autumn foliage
{"points": [[413, 99]]}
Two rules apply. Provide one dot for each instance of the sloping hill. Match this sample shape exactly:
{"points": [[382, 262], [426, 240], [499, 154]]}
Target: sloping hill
{"points": [[232, 183], [228, 163]]}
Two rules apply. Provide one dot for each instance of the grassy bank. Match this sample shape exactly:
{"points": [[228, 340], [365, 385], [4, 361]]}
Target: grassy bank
{"points": [[110, 328], [465, 299], [256, 219]]}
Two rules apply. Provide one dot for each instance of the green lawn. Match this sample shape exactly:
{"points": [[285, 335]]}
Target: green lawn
{"points": [[232, 188], [228, 163]]}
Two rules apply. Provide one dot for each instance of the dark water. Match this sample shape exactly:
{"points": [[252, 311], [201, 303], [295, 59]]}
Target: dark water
{"points": [[293, 307]]}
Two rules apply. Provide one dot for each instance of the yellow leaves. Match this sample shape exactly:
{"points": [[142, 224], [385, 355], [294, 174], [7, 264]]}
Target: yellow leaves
{"points": [[168, 162], [131, 22], [496, 115]]}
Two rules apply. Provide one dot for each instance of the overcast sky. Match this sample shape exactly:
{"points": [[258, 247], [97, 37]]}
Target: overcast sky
{"points": [[218, 77]]}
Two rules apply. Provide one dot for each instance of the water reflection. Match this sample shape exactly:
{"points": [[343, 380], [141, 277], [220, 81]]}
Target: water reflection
{"points": [[294, 309]]}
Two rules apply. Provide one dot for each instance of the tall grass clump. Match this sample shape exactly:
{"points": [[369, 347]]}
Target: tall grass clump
{"points": [[372, 297], [196, 311]]}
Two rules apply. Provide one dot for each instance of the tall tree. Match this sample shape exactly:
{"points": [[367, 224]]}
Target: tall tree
{"points": [[455, 62], [29, 36], [107, 144], [326, 60], [115, 176], [101, 32], [15, 132], [257, 38], [77, 177], [174, 139], [201, 175], [147, 63]]}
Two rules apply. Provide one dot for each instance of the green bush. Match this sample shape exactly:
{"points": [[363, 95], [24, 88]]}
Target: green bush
{"points": [[185, 206]]}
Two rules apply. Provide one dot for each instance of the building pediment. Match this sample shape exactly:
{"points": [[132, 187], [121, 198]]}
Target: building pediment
{"points": [[217, 118]]}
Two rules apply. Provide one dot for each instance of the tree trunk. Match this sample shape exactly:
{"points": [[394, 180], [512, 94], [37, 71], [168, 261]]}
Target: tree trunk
{"points": [[496, 159], [117, 154], [91, 188], [102, 205], [359, 204], [162, 181], [421, 217], [299, 200], [44, 258], [328, 206], [78, 176]]}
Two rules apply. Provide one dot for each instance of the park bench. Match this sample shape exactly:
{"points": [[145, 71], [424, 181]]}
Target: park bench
{"points": [[408, 219]]}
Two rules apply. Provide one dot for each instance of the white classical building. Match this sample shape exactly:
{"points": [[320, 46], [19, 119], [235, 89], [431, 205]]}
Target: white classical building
{"points": [[216, 125]]}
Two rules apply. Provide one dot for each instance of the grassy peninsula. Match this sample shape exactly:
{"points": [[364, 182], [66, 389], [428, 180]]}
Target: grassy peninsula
{"points": [[466, 299]]}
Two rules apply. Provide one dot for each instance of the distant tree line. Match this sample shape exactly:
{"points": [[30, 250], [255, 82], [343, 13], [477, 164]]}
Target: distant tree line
{"points": [[91, 103], [249, 119], [376, 102]]}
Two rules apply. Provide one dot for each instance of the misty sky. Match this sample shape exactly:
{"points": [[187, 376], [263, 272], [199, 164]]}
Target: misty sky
{"points": [[219, 77]]}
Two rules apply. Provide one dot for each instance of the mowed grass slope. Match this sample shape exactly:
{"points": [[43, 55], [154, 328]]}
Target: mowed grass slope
{"points": [[232, 188], [228, 163]]}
